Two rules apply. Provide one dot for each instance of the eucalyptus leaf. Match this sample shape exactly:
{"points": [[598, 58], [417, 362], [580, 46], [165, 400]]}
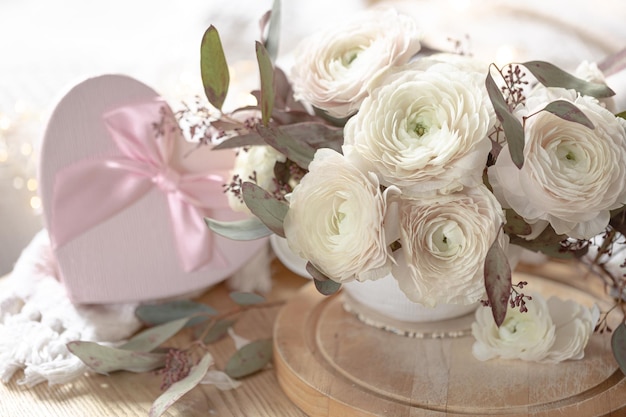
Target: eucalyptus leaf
{"points": [[221, 380], [273, 31], [618, 345], [213, 68], [266, 207], [568, 111], [618, 219], [182, 387], [497, 281], [250, 359], [266, 71], [217, 331], [284, 99], [247, 229], [246, 139], [154, 314], [323, 284], [339, 122], [316, 135], [282, 173], [151, 338], [277, 137], [327, 287], [552, 76], [515, 224], [292, 114], [225, 125], [105, 359], [246, 298], [548, 243], [512, 127]]}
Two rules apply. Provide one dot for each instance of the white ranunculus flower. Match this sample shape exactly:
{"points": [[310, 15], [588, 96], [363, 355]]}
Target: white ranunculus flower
{"points": [[589, 71], [574, 326], [332, 68], [465, 63], [335, 220], [527, 336], [444, 243], [550, 332], [424, 131], [254, 162], [572, 175]]}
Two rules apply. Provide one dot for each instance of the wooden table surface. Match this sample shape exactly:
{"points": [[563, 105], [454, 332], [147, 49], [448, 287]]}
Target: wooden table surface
{"points": [[125, 394]]}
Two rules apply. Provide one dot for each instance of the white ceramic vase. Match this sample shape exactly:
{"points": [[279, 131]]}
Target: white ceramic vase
{"points": [[381, 302]]}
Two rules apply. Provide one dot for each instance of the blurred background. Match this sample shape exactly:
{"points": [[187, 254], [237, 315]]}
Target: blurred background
{"points": [[46, 47]]}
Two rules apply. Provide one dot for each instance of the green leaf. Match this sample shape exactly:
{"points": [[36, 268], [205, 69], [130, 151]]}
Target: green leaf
{"points": [[497, 281], [515, 224], [313, 135], [247, 139], [105, 359], [150, 339], [621, 115], [182, 387], [161, 313], [247, 229], [217, 331], [246, 298], [618, 219], [568, 111], [250, 359], [266, 207], [273, 31], [330, 119], [618, 344], [266, 71], [316, 135], [213, 68], [548, 243], [512, 127], [323, 284], [552, 76], [299, 152]]}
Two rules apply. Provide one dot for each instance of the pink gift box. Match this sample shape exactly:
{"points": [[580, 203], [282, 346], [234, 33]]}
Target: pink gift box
{"points": [[125, 206]]}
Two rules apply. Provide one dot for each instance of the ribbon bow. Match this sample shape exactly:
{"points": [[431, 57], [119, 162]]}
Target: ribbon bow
{"points": [[90, 191]]}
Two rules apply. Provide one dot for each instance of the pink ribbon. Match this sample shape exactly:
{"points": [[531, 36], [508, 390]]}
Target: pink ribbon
{"points": [[91, 191]]}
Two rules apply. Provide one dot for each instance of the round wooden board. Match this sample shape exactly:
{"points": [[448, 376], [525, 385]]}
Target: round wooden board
{"points": [[329, 363]]}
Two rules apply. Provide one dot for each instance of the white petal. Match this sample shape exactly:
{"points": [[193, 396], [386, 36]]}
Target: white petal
{"points": [[220, 379], [239, 341]]}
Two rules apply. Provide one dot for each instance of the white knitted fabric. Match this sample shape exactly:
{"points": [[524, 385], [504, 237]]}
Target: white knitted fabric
{"points": [[37, 319]]}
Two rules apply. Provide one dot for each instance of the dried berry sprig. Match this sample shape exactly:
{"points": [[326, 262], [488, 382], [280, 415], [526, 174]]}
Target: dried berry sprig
{"points": [[515, 85], [178, 363], [167, 123], [517, 299], [461, 46], [205, 125], [598, 265], [236, 184], [603, 325]]}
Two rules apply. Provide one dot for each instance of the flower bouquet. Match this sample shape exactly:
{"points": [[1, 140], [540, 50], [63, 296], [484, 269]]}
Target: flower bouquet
{"points": [[377, 159]]}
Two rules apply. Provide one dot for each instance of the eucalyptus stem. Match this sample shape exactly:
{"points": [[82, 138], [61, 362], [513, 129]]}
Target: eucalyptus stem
{"points": [[233, 312]]}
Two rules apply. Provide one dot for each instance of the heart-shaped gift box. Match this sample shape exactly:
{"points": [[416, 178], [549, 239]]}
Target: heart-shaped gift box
{"points": [[124, 197]]}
